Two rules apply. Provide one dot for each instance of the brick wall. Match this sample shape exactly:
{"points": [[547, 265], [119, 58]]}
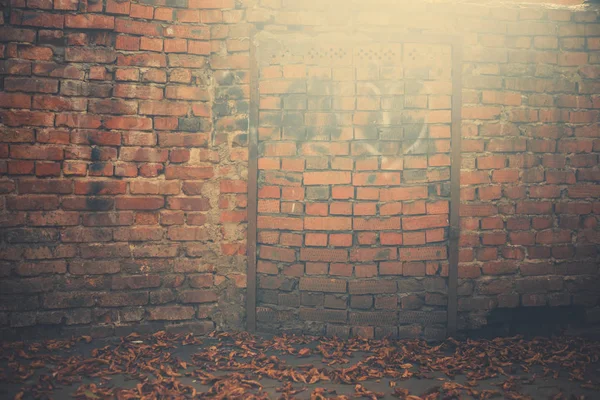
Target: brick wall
{"points": [[124, 163], [354, 186], [124, 130], [529, 174]]}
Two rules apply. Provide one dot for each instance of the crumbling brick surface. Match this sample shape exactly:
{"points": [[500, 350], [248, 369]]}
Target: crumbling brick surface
{"points": [[123, 154], [124, 163]]}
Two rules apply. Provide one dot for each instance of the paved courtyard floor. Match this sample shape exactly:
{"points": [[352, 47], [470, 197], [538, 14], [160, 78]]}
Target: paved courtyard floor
{"points": [[243, 366]]}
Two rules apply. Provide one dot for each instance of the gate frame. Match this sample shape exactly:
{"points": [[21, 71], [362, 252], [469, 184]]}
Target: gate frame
{"points": [[456, 45]]}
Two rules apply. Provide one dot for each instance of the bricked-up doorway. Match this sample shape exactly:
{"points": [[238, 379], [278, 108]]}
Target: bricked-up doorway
{"points": [[354, 160]]}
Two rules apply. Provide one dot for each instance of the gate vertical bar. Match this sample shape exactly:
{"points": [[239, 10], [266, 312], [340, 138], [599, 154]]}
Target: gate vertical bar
{"points": [[252, 188], [455, 186]]}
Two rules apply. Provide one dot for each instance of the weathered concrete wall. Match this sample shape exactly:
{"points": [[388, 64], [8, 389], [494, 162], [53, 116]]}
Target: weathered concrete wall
{"points": [[124, 155]]}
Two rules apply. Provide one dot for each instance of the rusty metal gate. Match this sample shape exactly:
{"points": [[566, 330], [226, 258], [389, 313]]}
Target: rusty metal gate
{"points": [[353, 185]]}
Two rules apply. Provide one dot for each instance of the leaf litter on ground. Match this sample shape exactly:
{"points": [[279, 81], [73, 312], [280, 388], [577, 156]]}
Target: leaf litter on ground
{"points": [[231, 365]]}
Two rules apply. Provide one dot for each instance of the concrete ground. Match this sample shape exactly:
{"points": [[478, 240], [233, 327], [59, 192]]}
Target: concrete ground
{"points": [[231, 366]]}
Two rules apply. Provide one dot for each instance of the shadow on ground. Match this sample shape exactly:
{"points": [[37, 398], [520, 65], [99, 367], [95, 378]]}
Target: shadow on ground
{"points": [[240, 365]]}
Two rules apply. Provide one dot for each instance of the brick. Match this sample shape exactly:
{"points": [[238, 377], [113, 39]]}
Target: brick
{"points": [[101, 187], [411, 238], [366, 238], [583, 191], [361, 302], [481, 113], [477, 210], [507, 145], [76, 54], [363, 193], [411, 302], [356, 287], [32, 18], [117, 7], [233, 216], [105, 250], [340, 240], [308, 314], [16, 100], [283, 223], [505, 176], [390, 268], [423, 222], [407, 193], [187, 233], [171, 313], [198, 296], [371, 223], [474, 177], [504, 98], [45, 186], [108, 219], [530, 207], [476, 303], [326, 178], [39, 268], [67, 300], [53, 218], [415, 162], [79, 235], [425, 253], [317, 209], [17, 135], [20, 118], [277, 254], [499, 268], [32, 202], [413, 269], [186, 93], [336, 302], [320, 149], [391, 238], [89, 21], [365, 208], [139, 203], [390, 209], [491, 162], [326, 285], [327, 223], [87, 203], [233, 186], [198, 47], [47, 169], [375, 254], [375, 179], [553, 236], [188, 203], [188, 173], [94, 267], [438, 207], [325, 255]]}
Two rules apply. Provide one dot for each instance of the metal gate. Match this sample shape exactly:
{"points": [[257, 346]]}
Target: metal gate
{"points": [[353, 185]]}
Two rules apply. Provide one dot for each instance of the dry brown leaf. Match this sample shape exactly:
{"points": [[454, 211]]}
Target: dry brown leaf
{"points": [[304, 352]]}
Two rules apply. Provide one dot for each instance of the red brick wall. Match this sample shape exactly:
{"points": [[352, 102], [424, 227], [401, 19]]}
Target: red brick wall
{"points": [[529, 180], [123, 151], [354, 186], [123, 155]]}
